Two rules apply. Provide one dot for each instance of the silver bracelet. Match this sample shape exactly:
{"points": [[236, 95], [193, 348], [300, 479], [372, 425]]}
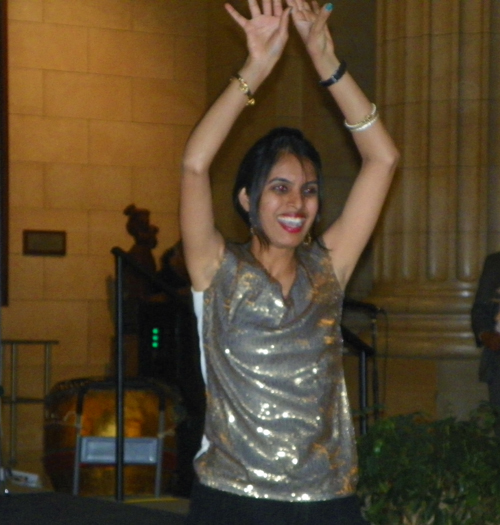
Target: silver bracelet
{"points": [[367, 121], [366, 125]]}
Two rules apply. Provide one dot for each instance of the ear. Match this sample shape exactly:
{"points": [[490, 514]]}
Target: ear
{"points": [[244, 199]]}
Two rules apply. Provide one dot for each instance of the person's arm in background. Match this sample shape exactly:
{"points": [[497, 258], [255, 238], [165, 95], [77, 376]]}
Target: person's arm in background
{"points": [[484, 307]]}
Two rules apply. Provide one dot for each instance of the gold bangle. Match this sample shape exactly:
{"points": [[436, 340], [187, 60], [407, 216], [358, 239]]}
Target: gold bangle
{"points": [[243, 86], [368, 121]]}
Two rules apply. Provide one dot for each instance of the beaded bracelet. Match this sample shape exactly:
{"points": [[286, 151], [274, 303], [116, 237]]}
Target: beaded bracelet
{"points": [[244, 88]]}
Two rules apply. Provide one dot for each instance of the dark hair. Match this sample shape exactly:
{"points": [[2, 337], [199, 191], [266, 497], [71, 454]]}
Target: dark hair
{"points": [[258, 163]]}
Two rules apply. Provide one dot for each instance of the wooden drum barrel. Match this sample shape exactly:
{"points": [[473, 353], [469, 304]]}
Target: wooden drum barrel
{"points": [[96, 398]]}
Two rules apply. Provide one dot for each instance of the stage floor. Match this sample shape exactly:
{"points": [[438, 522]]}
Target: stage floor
{"points": [[55, 508], [26, 505]]}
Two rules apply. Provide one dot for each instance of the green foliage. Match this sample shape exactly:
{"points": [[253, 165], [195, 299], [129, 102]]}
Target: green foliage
{"points": [[418, 471]]}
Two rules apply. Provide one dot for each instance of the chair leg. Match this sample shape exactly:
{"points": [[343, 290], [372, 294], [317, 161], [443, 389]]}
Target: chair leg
{"points": [[159, 453]]}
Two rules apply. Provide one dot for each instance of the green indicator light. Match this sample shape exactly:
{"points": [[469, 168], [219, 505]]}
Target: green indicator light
{"points": [[155, 337]]}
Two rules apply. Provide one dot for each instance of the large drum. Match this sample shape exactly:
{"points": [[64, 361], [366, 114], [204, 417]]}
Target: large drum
{"points": [[94, 400]]}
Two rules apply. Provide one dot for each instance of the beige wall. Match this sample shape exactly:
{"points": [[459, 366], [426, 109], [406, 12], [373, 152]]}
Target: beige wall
{"points": [[102, 96]]}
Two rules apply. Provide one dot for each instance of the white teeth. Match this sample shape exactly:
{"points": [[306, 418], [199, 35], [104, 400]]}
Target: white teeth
{"points": [[294, 222]]}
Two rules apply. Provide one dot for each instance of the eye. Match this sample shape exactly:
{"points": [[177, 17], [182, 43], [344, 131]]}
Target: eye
{"points": [[310, 190], [279, 188]]}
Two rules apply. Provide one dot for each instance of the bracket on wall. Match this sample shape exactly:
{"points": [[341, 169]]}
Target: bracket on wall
{"points": [[44, 242]]}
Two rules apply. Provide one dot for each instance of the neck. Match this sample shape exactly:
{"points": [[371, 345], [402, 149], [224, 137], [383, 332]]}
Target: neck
{"points": [[280, 263]]}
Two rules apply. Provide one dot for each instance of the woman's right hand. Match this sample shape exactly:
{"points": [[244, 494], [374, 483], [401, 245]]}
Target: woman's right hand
{"points": [[266, 31]]}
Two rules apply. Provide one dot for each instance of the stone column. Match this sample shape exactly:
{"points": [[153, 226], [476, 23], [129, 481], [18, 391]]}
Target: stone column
{"points": [[493, 182], [437, 83]]}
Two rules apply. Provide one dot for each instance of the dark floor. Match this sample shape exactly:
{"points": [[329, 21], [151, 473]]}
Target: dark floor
{"points": [[21, 505], [55, 508]]}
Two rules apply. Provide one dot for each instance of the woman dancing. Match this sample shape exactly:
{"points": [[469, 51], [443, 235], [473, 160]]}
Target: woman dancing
{"points": [[279, 444]]}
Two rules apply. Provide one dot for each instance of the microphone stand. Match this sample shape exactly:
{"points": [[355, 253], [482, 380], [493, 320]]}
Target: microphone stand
{"points": [[375, 381], [363, 350], [371, 311]]}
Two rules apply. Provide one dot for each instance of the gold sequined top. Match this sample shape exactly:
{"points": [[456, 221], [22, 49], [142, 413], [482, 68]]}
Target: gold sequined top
{"points": [[278, 422]]}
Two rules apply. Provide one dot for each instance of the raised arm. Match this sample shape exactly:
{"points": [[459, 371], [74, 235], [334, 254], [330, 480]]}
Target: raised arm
{"points": [[266, 33], [348, 235]]}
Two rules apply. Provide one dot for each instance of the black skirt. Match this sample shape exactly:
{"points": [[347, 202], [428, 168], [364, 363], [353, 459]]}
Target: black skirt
{"points": [[215, 507]]}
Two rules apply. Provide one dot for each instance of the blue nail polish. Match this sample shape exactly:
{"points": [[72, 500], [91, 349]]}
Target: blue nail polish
{"points": [[329, 7]]}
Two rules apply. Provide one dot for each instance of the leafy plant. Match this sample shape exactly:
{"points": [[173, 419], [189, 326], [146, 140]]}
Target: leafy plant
{"points": [[418, 471]]}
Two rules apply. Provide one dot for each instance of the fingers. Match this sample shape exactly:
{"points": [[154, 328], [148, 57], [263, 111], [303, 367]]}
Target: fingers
{"points": [[284, 20], [300, 5], [267, 7], [254, 7], [311, 12], [240, 20], [312, 7], [278, 7], [316, 7], [292, 4], [322, 15], [302, 10]]}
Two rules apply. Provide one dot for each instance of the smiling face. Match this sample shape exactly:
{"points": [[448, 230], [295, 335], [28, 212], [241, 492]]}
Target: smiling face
{"points": [[257, 164], [289, 201]]}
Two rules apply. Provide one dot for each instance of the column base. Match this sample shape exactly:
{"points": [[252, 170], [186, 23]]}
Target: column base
{"points": [[431, 320]]}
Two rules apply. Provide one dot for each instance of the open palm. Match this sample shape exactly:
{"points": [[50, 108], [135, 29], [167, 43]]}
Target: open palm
{"points": [[267, 29]]}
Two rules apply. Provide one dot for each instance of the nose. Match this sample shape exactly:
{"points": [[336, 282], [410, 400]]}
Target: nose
{"points": [[295, 199]]}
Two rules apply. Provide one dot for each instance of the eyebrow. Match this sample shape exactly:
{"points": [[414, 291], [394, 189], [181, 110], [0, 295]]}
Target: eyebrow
{"points": [[283, 179], [278, 179]]}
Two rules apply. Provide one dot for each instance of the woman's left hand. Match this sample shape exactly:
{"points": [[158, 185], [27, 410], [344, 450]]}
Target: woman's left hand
{"points": [[310, 21]]}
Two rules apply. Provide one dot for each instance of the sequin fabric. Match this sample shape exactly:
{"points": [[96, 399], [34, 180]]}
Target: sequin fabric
{"points": [[278, 421]]}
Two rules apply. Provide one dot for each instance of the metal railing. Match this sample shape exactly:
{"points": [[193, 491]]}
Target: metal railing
{"points": [[122, 258], [14, 399]]}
